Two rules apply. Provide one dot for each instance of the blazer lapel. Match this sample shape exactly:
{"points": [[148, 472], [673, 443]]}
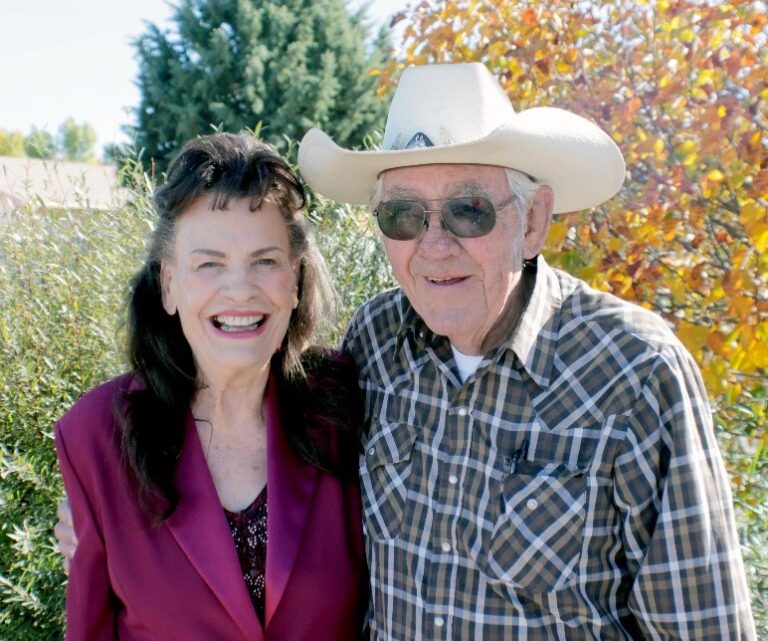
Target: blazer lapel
{"points": [[291, 483], [201, 530]]}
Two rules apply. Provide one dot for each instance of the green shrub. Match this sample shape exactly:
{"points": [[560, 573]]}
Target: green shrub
{"points": [[62, 282], [357, 263]]}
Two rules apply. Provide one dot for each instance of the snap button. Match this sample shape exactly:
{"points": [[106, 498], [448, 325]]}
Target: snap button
{"points": [[453, 479], [439, 622], [446, 546], [532, 504], [463, 411], [372, 451]]}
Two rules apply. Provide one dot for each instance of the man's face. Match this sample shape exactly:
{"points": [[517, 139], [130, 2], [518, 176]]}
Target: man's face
{"points": [[459, 286]]}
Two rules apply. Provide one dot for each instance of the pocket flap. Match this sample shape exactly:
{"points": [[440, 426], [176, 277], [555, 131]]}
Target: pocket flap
{"points": [[391, 443]]}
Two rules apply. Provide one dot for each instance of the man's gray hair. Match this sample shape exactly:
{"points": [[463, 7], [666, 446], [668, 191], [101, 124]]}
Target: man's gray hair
{"points": [[523, 188]]}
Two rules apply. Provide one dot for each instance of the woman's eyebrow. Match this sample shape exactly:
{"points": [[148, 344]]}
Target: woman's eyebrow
{"points": [[221, 254], [208, 252], [266, 250]]}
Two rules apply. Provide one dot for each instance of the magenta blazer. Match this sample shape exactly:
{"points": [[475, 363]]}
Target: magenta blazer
{"points": [[181, 580]]}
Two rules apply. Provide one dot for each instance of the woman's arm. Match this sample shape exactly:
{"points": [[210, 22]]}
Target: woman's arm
{"points": [[91, 614]]}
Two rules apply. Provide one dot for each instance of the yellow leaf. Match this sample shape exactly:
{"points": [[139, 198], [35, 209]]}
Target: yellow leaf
{"points": [[716, 176], [678, 290], [716, 39], [751, 214], [715, 376], [557, 233], [743, 307], [706, 76], [694, 337], [759, 237], [700, 94]]}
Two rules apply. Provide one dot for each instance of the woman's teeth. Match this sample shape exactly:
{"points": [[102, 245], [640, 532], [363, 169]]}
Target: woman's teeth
{"points": [[238, 323]]}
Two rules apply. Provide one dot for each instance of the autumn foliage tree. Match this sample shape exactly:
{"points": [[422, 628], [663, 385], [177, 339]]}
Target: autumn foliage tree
{"points": [[682, 86]]}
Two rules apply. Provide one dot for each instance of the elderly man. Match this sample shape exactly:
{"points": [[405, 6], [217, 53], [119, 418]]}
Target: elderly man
{"points": [[539, 459]]}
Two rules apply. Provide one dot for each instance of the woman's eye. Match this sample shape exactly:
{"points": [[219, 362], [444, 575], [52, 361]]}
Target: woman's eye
{"points": [[265, 261], [207, 265]]}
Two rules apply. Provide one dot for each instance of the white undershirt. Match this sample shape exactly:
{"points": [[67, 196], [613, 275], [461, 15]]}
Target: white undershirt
{"points": [[467, 364]]}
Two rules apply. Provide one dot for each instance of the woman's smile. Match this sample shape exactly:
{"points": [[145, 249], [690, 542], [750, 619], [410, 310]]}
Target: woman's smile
{"points": [[241, 324]]}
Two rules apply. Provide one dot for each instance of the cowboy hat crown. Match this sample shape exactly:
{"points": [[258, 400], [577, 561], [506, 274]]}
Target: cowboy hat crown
{"points": [[458, 113]]}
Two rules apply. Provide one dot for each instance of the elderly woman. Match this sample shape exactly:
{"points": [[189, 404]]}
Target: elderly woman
{"points": [[213, 487]]}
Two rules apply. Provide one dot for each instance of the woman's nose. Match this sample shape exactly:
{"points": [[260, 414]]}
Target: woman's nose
{"points": [[241, 283]]}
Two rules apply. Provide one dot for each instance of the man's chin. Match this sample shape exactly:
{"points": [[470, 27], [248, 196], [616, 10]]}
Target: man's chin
{"points": [[452, 324]]}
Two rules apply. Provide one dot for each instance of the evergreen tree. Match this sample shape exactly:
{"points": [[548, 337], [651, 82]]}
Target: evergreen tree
{"points": [[286, 65]]}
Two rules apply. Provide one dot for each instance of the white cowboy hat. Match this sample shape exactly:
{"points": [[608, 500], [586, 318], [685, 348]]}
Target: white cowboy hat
{"points": [[458, 113]]}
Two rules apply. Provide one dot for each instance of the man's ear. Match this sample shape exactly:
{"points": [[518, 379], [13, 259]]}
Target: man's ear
{"points": [[539, 217], [166, 288]]}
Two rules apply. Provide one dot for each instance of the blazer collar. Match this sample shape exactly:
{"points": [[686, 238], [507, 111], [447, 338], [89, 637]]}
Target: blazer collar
{"points": [[291, 484], [202, 532]]}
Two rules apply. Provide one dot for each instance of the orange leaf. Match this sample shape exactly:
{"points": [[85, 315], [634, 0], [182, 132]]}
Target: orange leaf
{"points": [[529, 17]]}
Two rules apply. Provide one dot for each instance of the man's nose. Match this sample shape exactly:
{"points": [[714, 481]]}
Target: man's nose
{"points": [[435, 238]]}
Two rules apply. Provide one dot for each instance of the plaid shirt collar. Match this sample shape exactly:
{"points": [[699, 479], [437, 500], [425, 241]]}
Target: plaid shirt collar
{"points": [[532, 341]]}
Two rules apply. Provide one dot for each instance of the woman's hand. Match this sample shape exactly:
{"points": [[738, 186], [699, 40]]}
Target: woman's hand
{"points": [[65, 533]]}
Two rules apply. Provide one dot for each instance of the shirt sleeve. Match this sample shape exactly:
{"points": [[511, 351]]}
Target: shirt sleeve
{"points": [[679, 531], [91, 613]]}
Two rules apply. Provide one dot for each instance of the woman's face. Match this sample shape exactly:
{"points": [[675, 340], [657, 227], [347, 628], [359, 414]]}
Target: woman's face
{"points": [[233, 282]]}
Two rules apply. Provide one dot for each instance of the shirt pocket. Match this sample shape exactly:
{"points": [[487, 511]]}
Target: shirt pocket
{"points": [[385, 470], [535, 542]]}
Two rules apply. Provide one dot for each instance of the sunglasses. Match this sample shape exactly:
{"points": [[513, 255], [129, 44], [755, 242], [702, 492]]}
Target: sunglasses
{"points": [[465, 216]]}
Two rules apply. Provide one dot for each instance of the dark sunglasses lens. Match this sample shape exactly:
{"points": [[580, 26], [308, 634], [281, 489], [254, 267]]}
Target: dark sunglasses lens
{"points": [[469, 217], [400, 219]]}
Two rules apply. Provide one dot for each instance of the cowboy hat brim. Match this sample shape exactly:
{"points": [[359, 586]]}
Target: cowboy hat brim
{"points": [[577, 159]]}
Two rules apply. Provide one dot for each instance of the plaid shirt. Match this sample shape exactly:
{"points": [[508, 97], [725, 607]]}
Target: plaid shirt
{"points": [[570, 489]]}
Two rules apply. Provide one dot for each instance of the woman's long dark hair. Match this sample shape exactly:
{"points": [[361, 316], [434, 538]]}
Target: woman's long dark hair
{"points": [[221, 166]]}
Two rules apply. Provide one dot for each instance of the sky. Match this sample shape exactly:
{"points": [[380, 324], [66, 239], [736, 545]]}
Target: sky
{"points": [[73, 58]]}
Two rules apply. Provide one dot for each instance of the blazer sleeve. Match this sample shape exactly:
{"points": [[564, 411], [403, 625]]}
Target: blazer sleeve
{"points": [[91, 611]]}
